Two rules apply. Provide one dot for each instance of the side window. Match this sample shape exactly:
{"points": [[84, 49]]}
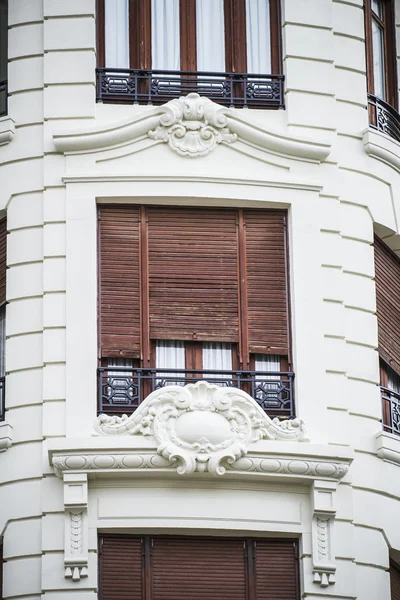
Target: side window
{"points": [[3, 55]]}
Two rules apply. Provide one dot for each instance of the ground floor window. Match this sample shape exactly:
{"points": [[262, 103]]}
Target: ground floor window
{"points": [[197, 568]]}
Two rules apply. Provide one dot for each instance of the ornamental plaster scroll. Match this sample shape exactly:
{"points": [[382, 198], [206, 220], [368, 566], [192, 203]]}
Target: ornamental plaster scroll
{"points": [[201, 427], [76, 526], [323, 517], [193, 126]]}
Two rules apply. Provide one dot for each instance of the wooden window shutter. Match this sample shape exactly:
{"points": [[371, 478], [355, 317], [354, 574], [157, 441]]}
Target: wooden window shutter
{"points": [[3, 260], [267, 281], [198, 568], [387, 278], [119, 281], [394, 580], [193, 281], [120, 573], [276, 570]]}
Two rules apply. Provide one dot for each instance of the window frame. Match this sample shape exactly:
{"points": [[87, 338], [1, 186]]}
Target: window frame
{"points": [[387, 24], [235, 35]]}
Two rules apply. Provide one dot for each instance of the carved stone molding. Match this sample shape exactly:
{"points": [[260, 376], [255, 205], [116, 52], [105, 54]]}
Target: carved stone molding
{"points": [[192, 126], [5, 436], [201, 427], [324, 512], [7, 130], [76, 526]]}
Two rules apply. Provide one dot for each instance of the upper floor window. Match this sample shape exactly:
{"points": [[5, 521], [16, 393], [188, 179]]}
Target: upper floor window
{"points": [[387, 277], [380, 45], [186, 293], [3, 55], [202, 37]]}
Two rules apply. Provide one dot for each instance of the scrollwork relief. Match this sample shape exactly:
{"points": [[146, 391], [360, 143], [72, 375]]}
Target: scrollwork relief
{"points": [[192, 126]]}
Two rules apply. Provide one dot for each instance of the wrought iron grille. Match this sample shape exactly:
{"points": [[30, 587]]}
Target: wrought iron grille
{"points": [[140, 86], [384, 117], [391, 410], [3, 98], [2, 398], [122, 389]]}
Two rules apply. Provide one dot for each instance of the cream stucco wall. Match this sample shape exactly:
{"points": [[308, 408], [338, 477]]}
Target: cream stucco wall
{"points": [[335, 203]]}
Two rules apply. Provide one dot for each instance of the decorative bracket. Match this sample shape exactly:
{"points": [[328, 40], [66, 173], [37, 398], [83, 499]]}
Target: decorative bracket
{"points": [[76, 525], [324, 511]]}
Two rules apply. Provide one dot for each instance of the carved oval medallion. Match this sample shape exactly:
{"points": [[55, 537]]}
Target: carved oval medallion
{"points": [[203, 426]]}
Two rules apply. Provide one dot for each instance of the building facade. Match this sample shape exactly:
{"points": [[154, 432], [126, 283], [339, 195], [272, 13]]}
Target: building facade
{"points": [[199, 299]]}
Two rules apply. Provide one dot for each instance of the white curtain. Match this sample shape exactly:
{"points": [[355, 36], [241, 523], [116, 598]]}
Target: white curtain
{"points": [[165, 38], [210, 35], [258, 36], [170, 354], [379, 60], [116, 34], [3, 340], [267, 363], [217, 357]]}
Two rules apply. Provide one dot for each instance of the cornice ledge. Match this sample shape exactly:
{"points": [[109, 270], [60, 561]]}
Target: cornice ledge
{"points": [[192, 126], [5, 436], [382, 147], [388, 447], [7, 130]]}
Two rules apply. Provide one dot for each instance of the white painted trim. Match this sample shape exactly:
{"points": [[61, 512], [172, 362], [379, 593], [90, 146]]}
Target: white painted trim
{"points": [[7, 130], [382, 147], [5, 436], [388, 447]]}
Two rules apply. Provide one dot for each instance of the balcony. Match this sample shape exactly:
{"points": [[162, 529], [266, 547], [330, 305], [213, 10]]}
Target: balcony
{"points": [[239, 90], [391, 411], [3, 98], [2, 398], [121, 389], [383, 117]]}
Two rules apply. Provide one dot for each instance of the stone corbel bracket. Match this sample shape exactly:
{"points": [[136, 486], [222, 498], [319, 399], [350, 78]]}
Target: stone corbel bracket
{"points": [[323, 516], [76, 525]]}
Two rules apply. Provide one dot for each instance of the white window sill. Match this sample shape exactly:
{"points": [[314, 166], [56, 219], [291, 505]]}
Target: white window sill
{"points": [[388, 447], [7, 130], [382, 146], [5, 436]]}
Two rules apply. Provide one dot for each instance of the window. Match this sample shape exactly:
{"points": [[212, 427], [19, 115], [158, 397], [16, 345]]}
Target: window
{"points": [[3, 55], [189, 43], [194, 292], [162, 568], [387, 278], [394, 571]]}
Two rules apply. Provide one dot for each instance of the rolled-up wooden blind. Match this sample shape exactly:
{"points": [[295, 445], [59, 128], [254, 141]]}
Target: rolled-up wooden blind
{"points": [[120, 568], [394, 581], [193, 274], [119, 281], [3, 260], [267, 294], [276, 570], [387, 278]]}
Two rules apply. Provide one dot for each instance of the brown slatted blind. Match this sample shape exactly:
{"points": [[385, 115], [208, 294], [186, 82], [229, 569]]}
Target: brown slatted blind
{"points": [[387, 277], [119, 297], [193, 281], [276, 570], [199, 569], [267, 282], [120, 568], [394, 581], [2, 561], [3, 260]]}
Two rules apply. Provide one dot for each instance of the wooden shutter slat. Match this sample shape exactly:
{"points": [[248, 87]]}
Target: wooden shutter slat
{"points": [[198, 568], [193, 274], [387, 278], [3, 260], [276, 570], [119, 297], [394, 581], [121, 568], [267, 282]]}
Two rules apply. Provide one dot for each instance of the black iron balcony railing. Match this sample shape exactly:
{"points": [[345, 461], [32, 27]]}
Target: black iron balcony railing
{"points": [[391, 410], [3, 98], [384, 117], [2, 398], [122, 389], [139, 86]]}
